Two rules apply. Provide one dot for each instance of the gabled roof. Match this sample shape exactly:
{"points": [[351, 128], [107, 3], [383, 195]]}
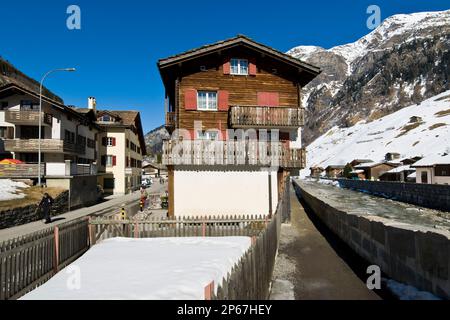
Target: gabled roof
{"points": [[234, 42], [432, 161]]}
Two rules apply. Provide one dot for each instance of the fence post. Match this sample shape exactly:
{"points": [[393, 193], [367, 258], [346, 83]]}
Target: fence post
{"points": [[56, 249], [209, 291], [136, 230], [204, 229], [91, 232]]}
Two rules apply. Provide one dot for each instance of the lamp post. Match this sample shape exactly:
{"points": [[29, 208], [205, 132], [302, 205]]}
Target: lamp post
{"points": [[40, 116]]}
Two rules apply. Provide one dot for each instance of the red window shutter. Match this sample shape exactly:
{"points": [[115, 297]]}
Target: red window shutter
{"points": [[114, 160], [252, 68], [223, 100], [113, 141], [226, 67], [192, 134], [224, 134], [270, 99], [190, 99]]}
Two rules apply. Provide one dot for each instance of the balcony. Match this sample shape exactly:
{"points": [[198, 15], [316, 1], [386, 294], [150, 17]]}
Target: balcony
{"points": [[47, 146], [266, 117], [170, 120], [28, 117], [247, 152], [49, 169]]}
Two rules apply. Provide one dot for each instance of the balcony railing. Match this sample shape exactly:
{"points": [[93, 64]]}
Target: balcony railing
{"points": [[24, 170], [47, 145], [170, 119], [49, 169], [25, 117], [247, 152], [266, 117]]}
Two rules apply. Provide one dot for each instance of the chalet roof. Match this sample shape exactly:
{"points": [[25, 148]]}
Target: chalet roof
{"points": [[400, 169], [158, 166], [335, 166], [357, 171], [374, 164], [432, 161], [362, 160], [128, 118], [233, 42]]}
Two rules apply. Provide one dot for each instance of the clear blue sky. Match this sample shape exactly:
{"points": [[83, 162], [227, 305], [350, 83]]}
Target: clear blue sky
{"points": [[116, 50]]}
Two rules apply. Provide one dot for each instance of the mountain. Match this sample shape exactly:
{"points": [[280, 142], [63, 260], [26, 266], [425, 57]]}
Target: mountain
{"points": [[418, 130], [405, 60], [10, 74], [154, 138]]}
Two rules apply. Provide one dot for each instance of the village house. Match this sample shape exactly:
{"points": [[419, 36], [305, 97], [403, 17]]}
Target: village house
{"points": [[373, 170], [316, 172], [356, 162], [410, 161], [154, 170], [121, 149], [392, 156], [334, 171], [433, 170], [237, 103]]}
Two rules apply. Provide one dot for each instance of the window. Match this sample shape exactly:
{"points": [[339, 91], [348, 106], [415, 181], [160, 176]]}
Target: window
{"points": [[90, 143], [106, 118], [69, 136], [206, 100], [28, 105], [442, 170], [127, 144], [207, 135], [108, 183], [110, 142], [239, 66], [110, 161]]}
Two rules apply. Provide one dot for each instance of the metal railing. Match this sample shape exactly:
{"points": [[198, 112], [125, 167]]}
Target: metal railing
{"points": [[261, 116]]}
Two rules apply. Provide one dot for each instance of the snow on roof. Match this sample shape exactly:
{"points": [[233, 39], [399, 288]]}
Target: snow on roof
{"points": [[412, 175], [400, 169], [433, 160], [357, 171]]}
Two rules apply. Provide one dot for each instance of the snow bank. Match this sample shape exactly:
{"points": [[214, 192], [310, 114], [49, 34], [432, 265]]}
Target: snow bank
{"points": [[9, 189], [147, 269]]}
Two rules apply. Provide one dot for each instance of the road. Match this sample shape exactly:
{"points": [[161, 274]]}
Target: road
{"points": [[314, 265], [113, 203]]}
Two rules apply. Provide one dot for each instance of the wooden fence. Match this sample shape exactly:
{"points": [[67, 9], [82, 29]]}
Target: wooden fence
{"points": [[251, 277], [29, 261]]}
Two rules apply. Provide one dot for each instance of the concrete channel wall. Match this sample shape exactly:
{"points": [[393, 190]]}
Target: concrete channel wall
{"points": [[414, 255], [434, 196]]}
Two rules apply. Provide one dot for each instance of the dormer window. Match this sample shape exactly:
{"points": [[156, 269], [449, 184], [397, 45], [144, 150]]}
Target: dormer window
{"points": [[106, 118], [239, 66]]}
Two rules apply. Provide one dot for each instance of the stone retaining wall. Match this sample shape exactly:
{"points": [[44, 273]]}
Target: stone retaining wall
{"points": [[434, 196], [23, 215], [414, 255]]}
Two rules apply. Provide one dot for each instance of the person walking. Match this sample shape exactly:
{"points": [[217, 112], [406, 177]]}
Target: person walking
{"points": [[45, 205]]}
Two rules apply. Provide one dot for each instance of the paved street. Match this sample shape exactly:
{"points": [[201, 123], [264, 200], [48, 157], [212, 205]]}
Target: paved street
{"points": [[312, 264]]}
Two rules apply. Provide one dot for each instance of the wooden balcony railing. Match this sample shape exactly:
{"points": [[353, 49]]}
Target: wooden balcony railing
{"points": [[47, 145], [260, 116], [23, 170], [170, 119], [206, 152], [27, 117]]}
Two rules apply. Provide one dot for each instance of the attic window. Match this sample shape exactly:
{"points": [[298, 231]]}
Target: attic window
{"points": [[106, 118], [239, 66]]}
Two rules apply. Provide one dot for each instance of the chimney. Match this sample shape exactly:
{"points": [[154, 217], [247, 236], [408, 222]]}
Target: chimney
{"points": [[92, 103]]}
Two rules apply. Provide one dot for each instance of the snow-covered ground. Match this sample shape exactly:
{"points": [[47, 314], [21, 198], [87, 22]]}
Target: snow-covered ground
{"points": [[147, 269], [10, 189], [426, 135]]}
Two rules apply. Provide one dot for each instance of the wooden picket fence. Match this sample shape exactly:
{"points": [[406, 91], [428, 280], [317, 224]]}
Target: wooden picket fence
{"points": [[27, 262]]}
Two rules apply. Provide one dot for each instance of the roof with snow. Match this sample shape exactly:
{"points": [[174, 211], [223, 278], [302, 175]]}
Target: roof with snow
{"points": [[400, 169], [433, 160]]}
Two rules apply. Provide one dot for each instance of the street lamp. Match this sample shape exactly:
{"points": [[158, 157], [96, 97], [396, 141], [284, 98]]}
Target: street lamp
{"points": [[40, 116]]}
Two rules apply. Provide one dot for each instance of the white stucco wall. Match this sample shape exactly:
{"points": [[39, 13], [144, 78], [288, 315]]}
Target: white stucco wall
{"points": [[431, 177], [221, 193]]}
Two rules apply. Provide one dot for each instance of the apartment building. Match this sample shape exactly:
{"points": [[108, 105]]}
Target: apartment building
{"points": [[234, 111], [65, 133], [121, 150]]}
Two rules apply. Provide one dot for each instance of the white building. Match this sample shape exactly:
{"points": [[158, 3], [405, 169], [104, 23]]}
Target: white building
{"points": [[433, 170]]}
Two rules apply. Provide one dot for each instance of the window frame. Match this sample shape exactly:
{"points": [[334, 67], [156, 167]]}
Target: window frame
{"points": [[207, 100], [205, 135], [239, 67]]}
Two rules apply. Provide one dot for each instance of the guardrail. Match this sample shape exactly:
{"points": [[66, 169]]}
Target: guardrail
{"points": [[27, 117], [49, 169]]}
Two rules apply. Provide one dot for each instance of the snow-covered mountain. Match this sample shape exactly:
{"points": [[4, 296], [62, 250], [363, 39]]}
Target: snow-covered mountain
{"points": [[418, 130], [403, 61]]}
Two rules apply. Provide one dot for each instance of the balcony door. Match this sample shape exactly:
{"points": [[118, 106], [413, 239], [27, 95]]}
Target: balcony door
{"points": [[30, 132]]}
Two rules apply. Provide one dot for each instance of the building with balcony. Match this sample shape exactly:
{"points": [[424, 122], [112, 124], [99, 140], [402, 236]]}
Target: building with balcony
{"points": [[66, 134], [234, 111]]}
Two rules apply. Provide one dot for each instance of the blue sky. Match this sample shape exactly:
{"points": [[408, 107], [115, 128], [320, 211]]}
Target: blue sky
{"points": [[116, 50]]}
